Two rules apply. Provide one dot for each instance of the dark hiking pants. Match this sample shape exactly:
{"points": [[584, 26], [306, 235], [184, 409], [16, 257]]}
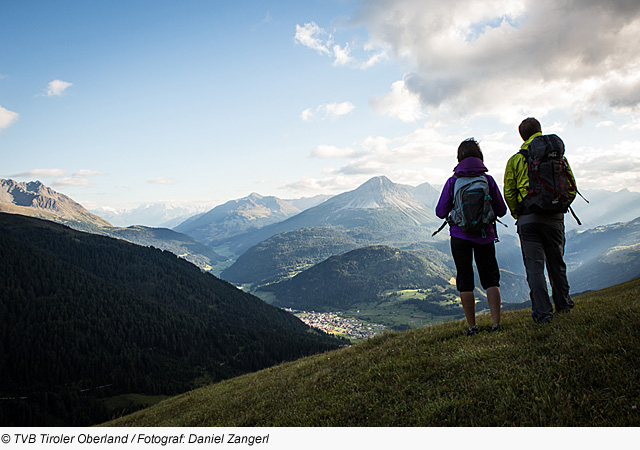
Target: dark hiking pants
{"points": [[463, 252], [543, 245]]}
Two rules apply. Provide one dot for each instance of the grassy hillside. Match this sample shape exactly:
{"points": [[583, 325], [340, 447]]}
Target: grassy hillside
{"points": [[580, 370]]}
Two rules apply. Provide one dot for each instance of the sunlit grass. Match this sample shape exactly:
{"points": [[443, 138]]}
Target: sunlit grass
{"points": [[580, 370]]}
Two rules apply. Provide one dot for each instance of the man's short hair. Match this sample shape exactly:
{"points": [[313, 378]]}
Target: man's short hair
{"points": [[529, 127]]}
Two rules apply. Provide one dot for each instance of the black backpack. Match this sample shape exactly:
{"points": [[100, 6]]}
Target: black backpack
{"points": [[549, 178]]}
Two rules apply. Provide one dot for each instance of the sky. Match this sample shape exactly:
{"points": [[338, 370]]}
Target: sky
{"points": [[118, 103]]}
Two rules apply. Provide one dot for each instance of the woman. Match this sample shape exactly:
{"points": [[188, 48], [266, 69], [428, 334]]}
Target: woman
{"points": [[465, 246]]}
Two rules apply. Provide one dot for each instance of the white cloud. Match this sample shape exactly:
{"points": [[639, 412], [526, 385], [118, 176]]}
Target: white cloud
{"points": [[40, 173], [330, 185], [376, 58], [71, 181], [633, 124], [327, 111], [7, 118], [317, 38], [613, 168], [58, 176], [267, 18], [57, 87], [502, 57], [567, 62], [400, 103], [87, 173], [331, 151], [364, 167], [342, 56], [312, 36], [163, 180], [307, 115], [335, 110], [427, 154]]}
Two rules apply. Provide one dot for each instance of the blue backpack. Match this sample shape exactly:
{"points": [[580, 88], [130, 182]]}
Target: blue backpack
{"points": [[472, 210]]}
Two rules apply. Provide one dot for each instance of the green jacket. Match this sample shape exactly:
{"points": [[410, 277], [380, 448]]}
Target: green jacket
{"points": [[516, 179]]}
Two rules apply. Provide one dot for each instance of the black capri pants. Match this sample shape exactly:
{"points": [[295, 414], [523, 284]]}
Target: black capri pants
{"points": [[464, 252]]}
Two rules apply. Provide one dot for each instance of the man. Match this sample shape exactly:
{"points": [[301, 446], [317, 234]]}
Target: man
{"points": [[541, 234]]}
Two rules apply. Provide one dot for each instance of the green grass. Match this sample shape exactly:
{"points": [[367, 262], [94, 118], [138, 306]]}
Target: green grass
{"points": [[392, 311], [398, 316], [580, 370], [122, 404], [419, 294]]}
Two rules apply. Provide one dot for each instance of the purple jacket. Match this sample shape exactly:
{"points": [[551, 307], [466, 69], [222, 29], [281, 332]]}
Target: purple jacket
{"points": [[471, 167]]}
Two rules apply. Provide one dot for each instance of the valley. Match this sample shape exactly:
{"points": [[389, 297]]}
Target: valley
{"points": [[298, 253], [340, 324], [148, 301]]}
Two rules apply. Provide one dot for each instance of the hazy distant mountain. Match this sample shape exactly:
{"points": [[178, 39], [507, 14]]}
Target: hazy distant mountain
{"points": [[37, 200], [236, 217], [426, 194], [603, 256], [165, 215], [379, 211], [177, 243], [308, 202], [604, 207]]}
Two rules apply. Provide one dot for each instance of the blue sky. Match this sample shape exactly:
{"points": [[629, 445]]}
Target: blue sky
{"points": [[117, 103]]}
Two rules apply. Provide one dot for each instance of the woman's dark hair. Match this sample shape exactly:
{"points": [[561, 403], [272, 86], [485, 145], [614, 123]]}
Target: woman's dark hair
{"points": [[469, 148], [528, 127]]}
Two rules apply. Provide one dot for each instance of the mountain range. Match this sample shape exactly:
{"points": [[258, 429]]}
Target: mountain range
{"points": [[603, 256], [379, 211], [237, 217], [34, 199], [604, 208], [266, 240], [86, 317], [37, 200], [160, 214]]}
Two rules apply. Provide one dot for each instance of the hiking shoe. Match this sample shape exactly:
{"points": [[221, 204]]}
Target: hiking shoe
{"points": [[495, 328], [472, 331]]}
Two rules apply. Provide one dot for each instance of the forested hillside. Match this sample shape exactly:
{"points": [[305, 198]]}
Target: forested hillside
{"points": [[82, 312], [359, 276], [288, 253]]}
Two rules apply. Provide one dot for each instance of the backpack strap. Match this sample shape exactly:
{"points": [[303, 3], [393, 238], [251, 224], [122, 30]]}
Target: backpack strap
{"points": [[574, 214], [441, 227]]}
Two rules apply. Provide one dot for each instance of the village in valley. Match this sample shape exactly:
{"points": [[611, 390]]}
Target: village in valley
{"points": [[333, 323]]}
